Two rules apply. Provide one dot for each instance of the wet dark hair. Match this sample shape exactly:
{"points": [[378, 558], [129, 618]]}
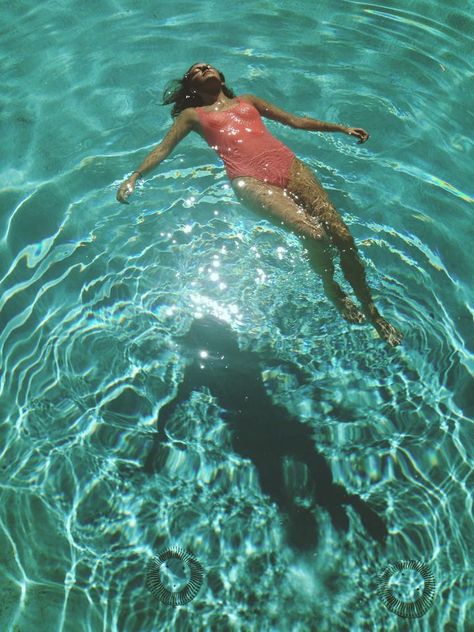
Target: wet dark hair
{"points": [[180, 93]]}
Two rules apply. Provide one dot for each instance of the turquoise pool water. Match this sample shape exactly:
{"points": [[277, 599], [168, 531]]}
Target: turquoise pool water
{"points": [[95, 298]]}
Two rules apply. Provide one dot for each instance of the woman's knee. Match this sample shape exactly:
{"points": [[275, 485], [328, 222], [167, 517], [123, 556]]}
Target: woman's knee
{"points": [[342, 238]]}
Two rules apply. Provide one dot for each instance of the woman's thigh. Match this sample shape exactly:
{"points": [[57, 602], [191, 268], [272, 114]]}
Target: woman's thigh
{"points": [[278, 206], [306, 190]]}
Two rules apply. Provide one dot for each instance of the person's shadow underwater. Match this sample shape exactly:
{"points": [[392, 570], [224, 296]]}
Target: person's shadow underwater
{"points": [[263, 432]]}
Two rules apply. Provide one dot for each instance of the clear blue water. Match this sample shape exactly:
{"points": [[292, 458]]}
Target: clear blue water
{"points": [[94, 297]]}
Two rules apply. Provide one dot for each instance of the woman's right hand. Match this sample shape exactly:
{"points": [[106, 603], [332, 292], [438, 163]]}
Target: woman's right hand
{"points": [[126, 189]]}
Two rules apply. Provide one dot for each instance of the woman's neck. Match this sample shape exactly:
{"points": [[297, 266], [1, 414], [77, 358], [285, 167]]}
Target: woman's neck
{"points": [[217, 99]]}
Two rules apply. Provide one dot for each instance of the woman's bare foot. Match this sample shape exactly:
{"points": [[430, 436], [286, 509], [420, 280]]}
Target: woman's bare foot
{"points": [[350, 311], [387, 331]]}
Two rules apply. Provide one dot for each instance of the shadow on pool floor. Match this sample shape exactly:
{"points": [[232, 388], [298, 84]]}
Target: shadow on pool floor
{"points": [[263, 432]]}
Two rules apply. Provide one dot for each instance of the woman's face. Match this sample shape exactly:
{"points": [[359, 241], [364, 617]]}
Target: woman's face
{"points": [[201, 73]]}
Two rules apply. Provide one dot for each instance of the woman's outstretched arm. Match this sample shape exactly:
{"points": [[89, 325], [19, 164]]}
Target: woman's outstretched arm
{"points": [[183, 124], [268, 110]]}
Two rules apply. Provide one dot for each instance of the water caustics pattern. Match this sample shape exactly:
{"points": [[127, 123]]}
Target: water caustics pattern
{"points": [[96, 299]]}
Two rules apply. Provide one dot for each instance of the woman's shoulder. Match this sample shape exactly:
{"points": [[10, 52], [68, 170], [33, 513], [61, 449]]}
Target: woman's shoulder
{"points": [[249, 98], [186, 120], [188, 115]]}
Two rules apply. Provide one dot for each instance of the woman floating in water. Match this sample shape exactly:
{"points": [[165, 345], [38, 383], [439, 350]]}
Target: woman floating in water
{"points": [[267, 177]]}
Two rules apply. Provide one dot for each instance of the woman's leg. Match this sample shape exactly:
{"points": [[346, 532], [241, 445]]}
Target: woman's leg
{"points": [[305, 189], [276, 205]]}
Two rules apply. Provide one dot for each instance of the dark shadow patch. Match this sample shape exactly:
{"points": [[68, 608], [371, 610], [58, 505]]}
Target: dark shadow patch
{"points": [[262, 431]]}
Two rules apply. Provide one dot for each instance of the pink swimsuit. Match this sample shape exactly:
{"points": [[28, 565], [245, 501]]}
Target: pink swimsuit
{"points": [[245, 145]]}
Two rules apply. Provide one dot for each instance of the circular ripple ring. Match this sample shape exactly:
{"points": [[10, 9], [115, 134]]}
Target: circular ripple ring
{"points": [[155, 584], [407, 609]]}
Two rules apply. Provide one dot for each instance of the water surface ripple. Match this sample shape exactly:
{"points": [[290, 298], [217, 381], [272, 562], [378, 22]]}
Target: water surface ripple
{"points": [[96, 297]]}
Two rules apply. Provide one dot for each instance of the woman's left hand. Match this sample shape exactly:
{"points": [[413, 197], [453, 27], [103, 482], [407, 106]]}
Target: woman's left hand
{"points": [[360, 133]]}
